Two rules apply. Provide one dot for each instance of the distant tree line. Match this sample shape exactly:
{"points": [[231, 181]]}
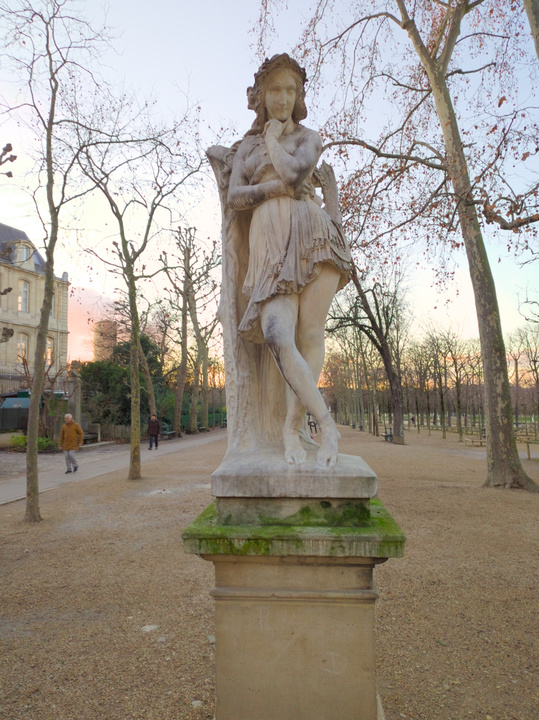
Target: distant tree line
{"points": [[441, 378]]}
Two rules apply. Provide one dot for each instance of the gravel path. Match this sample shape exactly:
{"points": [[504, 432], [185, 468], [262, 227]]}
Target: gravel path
{"points": [[103, 617]]}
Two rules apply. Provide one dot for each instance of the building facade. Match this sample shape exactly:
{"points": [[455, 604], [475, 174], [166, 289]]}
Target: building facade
{"points": [[22, 285]]}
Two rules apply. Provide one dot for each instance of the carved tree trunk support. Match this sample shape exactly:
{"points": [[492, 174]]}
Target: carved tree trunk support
{"points": [[294, 553]]}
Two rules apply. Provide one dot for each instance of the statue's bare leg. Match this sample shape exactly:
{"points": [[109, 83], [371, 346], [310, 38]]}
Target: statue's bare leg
{"points": [[314, 304], [306, 313], [294, 452]]}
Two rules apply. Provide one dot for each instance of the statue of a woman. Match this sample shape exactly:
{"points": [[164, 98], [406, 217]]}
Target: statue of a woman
{"points": [[290, 258]]}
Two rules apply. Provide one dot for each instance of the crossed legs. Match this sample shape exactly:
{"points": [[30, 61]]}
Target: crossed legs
{"points": [[293, 326]]}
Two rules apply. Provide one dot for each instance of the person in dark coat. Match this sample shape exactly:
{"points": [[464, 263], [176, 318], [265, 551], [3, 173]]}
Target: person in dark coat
{"points": [[154, 430]]}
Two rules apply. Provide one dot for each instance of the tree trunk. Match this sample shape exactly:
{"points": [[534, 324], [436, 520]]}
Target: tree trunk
{"points": [[517, 388], [193, 411], [532, 10], [32, 479], [458, 388], [442, 408], [503, 463], [182, 370], [393, 377], [134, 459], [147, 376], [370, 426], [178, 401], [32, 433], [204, 415]]}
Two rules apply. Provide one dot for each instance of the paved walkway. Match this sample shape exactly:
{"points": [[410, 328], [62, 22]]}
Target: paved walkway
{"points": [[94, 460]]}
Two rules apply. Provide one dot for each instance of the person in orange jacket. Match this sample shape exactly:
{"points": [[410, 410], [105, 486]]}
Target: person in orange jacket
{"points": [[71, 436]]}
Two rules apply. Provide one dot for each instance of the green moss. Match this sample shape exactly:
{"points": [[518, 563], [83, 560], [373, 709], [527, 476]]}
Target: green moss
{"points": [[380, 537], [324, 514]]}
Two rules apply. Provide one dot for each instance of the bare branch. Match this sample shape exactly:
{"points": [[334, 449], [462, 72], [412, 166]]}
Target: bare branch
{"points": [[381, 154], [492, 216], [367, 18], [470, 72]]}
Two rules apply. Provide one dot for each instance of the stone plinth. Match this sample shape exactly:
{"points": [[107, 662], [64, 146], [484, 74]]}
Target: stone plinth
{"points": [[294, 588]]}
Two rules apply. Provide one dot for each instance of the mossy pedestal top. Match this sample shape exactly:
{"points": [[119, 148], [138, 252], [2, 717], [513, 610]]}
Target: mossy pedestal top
{"points": [[379, 537], [268, 508]]}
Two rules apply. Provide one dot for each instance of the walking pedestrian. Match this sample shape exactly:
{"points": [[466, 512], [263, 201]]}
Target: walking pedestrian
{"points": [[71, 437], [154, 430]]}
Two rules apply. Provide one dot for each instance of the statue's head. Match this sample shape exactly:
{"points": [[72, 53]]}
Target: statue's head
{"points": [[256, 94]]}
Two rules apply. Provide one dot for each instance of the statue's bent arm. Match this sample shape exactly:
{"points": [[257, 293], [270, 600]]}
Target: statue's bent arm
{"points": [[293, 169], [241, 195]]}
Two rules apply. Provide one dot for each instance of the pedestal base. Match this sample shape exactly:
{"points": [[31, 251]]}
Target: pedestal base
{"points": [[294, 591], [294, 639]]}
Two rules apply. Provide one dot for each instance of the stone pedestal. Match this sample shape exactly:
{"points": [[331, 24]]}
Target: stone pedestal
{"points": [[294, 551]]}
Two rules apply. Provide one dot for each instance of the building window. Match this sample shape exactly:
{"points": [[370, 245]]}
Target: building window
{"points": [[24, 296], [22, 348], [24, 253], [49, 353]]}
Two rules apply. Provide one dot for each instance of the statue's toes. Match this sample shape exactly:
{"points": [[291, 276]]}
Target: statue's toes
{"points": [[295, 457], [326, 459]]}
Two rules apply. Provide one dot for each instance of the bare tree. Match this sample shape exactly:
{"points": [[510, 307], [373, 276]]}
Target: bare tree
{"points": [[141, 174], [457, 362], [193, 295], [50, 49], [376, 310], [350, 362], [515, 350], [529, 309], [529, 338], [123, 316], [419, 360], [445, 167]]}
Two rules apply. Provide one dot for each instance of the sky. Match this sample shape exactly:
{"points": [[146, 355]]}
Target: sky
{"points": [[167, 49]]}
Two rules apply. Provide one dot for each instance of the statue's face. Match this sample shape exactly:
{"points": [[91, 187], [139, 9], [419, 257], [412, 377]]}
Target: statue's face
{"points": [[280, 94]]}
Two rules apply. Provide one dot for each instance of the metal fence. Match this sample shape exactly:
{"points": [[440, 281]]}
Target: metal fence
{"points": [[115, 432], [13, 418]]}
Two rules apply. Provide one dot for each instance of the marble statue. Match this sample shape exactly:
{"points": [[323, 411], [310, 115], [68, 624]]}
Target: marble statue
{"points": [[284, 258]]}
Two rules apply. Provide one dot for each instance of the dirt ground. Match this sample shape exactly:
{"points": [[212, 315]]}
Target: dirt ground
{"points": [[103, 617]]}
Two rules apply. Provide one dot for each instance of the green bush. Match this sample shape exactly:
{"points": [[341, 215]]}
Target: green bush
{"points": [[18, 442], [44, 444]]}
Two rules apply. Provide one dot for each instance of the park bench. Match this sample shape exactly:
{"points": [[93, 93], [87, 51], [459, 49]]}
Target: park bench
{"points": [[475, 441], [168, 434], [91, 433], [531, 441], [388, 434], [201, 428]]}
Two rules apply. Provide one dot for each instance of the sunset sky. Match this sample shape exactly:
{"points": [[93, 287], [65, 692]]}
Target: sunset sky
{"points": [[206, 49]]}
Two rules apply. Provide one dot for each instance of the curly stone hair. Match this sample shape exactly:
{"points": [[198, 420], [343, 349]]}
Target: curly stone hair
{"points": [[255, 94]]}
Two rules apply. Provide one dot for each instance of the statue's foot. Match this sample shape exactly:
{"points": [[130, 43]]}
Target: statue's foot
{"points": [[294, 453], [329, 447]]}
